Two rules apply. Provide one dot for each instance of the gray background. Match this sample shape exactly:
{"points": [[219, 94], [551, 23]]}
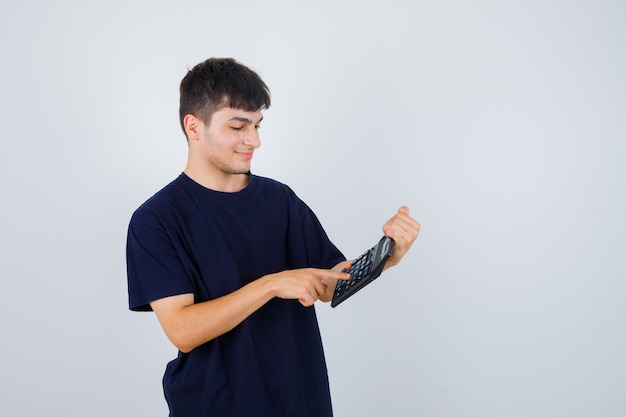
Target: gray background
{"points": [[500, 123]]}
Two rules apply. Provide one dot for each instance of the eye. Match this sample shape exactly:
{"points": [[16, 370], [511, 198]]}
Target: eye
{"points": [[237, 127], [257, 127]]}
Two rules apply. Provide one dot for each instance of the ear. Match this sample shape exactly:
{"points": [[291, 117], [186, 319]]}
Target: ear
{"points": [[192, 126]]}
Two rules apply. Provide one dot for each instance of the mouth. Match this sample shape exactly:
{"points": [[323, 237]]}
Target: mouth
{"points": [[245, 155]]}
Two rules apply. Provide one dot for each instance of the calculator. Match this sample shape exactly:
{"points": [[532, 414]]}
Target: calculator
{"points": [[363, 270]]}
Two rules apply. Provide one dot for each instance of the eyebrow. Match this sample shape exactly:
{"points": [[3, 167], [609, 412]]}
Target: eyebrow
{"points": [[245, 119]]}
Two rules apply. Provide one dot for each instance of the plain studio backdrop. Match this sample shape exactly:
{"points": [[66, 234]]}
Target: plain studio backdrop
{"points": [[500, 123]]}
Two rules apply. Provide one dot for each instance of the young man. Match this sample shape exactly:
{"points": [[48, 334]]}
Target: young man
{"points": [[232, 263]]}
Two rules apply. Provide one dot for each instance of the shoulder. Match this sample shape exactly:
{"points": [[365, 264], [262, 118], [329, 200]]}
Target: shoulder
{"points": [[282, 194], [268, 182], [162, 203], [279, 192], [270, 185]]}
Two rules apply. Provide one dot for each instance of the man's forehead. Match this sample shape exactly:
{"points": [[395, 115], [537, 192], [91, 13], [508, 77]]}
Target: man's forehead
{"points": [[229, 113]]}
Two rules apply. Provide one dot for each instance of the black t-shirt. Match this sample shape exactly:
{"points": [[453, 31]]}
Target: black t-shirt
{"points": [[189, 239]]}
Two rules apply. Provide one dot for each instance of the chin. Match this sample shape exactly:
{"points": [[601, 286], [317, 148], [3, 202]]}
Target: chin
{"points": [[238, 170]]}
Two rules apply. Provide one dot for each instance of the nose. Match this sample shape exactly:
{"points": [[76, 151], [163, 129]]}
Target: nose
{"points": [[252, 138]]}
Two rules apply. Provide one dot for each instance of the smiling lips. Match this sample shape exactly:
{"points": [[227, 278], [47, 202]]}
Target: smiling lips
{"points": [[245, 155]]}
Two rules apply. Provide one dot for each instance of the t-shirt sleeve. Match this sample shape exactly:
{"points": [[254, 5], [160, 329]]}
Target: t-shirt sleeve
{"points": [[154, 268], [319, 249]]}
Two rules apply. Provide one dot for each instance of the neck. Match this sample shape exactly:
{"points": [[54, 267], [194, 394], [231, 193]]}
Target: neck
{"points": [[223, 182]]}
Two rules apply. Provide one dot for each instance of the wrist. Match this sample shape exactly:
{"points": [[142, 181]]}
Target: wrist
{"points": [[268, 286]]}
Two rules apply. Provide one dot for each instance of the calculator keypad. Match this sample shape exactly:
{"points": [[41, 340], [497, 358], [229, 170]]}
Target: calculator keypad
{"points": [[359, 269], [363, 270]]}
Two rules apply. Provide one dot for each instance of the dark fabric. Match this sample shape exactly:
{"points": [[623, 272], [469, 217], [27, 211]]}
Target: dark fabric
{"points": [[189, 239]]}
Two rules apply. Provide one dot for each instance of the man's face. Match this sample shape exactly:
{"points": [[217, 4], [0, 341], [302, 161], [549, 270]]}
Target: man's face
{"points": [[227, 144]]}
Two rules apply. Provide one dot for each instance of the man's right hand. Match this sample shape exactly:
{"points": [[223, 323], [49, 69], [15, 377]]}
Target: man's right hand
{"points": [[306, 285]]}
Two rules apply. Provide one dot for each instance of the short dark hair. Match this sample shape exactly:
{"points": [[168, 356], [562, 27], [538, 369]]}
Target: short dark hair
{"points": [[221, 82]]}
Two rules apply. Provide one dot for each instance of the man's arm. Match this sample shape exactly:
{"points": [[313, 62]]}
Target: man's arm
{"points": [[189, 325], [402, 228]]}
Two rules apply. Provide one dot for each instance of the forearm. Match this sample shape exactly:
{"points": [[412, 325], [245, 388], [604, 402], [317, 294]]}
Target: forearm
{"points": [[190, 325], [390, 263]]}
